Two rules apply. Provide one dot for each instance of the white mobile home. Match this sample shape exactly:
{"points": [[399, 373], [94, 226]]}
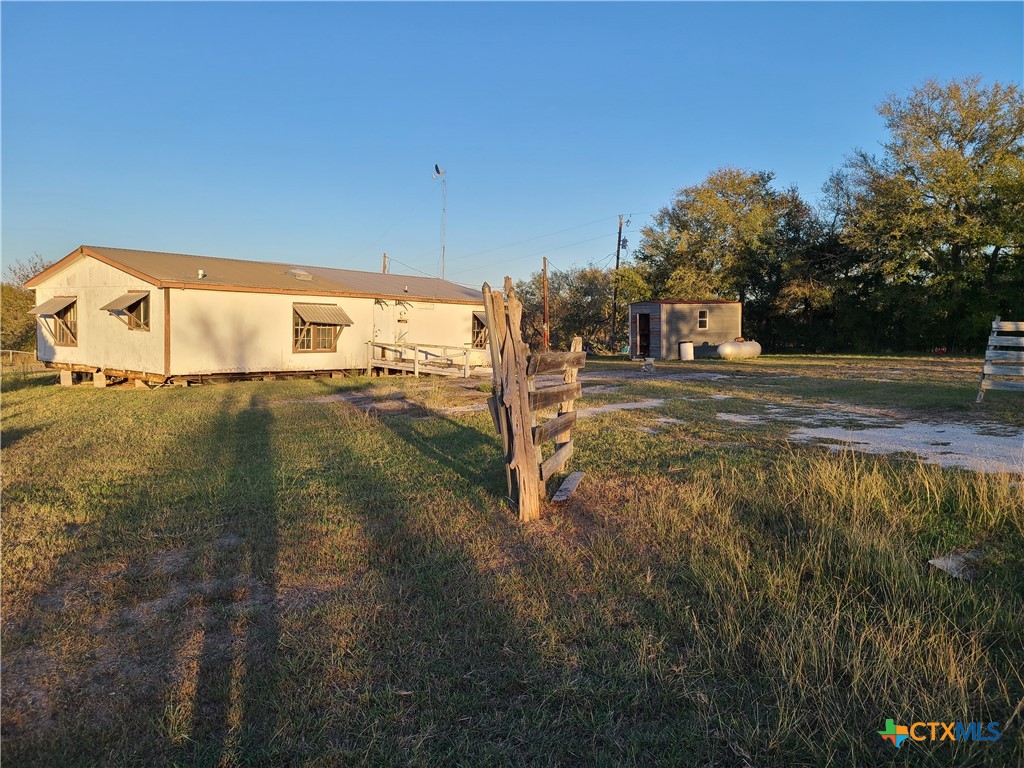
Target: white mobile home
{"points": [[656, 328], [166, 316]]}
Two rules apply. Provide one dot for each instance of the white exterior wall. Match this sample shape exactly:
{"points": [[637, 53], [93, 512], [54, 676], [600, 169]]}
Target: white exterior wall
{"points": [[104, 341], [235, 332], [423, 322]]}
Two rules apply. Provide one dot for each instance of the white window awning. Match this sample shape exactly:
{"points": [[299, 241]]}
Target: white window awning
{"points": [[121, 303], [323, 314], [54, 305]]}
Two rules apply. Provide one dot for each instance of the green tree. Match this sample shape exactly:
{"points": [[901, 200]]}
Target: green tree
{"points": [[734, 236], [579, 303], [634, 285], [799, 291], [938, 214], [17, 327], [710, 241]]}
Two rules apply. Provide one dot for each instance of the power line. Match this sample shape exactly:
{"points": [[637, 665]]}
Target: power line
{"points": [[393, 260], [532, 255], [561, 247], [433, 253], [554, 268], [532, 239]]}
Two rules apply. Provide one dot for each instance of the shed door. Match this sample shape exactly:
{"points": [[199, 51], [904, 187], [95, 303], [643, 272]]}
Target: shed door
{"points": [[643, 334]]}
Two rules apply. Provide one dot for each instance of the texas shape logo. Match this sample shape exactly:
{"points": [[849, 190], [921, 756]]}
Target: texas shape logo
{"points": [[897, 734]]}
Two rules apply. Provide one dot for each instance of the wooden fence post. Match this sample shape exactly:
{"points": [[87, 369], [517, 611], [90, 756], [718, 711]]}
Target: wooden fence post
{"points": [[569, 406], [516, 395], [494, 312], [516, 400]]}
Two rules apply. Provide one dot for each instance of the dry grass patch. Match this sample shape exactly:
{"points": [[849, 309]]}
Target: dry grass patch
{"points": [[261, 580]]}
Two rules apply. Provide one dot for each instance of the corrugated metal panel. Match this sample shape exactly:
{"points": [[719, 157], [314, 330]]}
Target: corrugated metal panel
{"points": [[121, 303], [481, 316], [643, 307], [53, 305], [703, 301], [258, 275], [323, 314]]}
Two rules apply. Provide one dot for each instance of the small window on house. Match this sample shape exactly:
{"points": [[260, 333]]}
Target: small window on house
{"points": [[63, 310], [316, 327], [138, 316], [132, 309], [479, 330], [702, 319], [66, 326]]}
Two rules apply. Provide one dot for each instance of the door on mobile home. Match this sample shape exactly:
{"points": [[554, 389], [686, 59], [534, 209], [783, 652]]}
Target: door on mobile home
{"points": [[384, 327]]}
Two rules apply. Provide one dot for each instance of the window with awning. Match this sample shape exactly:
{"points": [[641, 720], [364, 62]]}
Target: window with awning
{"points": [[64, 311], [316, 327], [50, 306], [132, 309]]}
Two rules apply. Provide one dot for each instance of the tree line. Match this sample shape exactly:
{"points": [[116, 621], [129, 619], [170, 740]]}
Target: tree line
{"points": [[914, 248], [17, 326]]}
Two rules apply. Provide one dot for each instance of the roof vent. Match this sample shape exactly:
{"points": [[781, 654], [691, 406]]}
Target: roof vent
{"points": [[200, 273], [300, 274]]}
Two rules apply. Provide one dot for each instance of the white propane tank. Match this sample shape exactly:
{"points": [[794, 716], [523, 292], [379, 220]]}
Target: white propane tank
{"points": [[739, 350]]}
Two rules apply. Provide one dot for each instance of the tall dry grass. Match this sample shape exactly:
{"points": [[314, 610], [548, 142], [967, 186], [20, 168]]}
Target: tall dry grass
{"points": [[795, 600]]}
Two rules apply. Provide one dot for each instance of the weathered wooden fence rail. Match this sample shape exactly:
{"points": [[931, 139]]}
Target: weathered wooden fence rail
{"points": [[8, 355], [420, 358], [17, 360], [516, 400], [1004, 359]]}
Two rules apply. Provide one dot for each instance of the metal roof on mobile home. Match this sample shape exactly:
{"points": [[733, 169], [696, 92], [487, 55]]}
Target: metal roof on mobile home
{"points": [[179, 270]]}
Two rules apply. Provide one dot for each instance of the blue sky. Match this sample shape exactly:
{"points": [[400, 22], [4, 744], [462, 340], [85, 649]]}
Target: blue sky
{"points": [[307, 132]]}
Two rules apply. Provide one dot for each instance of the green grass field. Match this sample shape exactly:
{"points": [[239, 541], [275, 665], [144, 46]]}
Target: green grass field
{"points": [[233, 575]]}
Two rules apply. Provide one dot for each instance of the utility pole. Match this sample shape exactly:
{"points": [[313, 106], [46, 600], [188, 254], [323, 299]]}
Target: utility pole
{"points": [[444, 217], [547, 334], [439, 173], [384, 266], [615, 285]]}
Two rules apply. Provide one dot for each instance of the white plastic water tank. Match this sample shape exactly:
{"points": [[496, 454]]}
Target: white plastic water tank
{"points": [[686, 350]]}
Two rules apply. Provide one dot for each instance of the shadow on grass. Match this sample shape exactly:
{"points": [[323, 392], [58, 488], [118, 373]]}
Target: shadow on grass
{"points": [[444, 662], [240, 625], [452, 635], [14, 380], [482, 650], [156, 637], [10, 436]]}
